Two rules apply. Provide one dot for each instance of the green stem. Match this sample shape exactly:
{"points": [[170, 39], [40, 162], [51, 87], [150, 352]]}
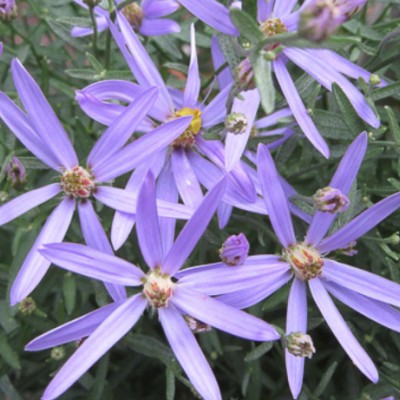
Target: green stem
{"points": [[95, 32]]}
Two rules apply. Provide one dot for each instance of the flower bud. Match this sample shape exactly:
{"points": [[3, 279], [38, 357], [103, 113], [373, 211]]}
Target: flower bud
{"points": [[299, 344], [57, 353], [236, 123], [91, 3], [196, 326], [245, 75], [235, 250], [374, 79], [27, 306], [8, 10], [330, 200], [16, 172]]}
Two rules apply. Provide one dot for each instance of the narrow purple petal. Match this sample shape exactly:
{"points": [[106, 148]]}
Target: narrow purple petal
{"points": [[147, 225], [185, 179], [273, 118], [158, 27], [121, 130], [342, 332], [101, 23], [282, 8], [35, 265], [264, 9], [274, 197], [297, 107], [137, 152], [74, 330], [93, 263], [342, 180], [247, 104], [212, 13], [221, 316], [20, 125], [224, 212], [43, 116], [296, 321], [224, 77], [193, 230], [25, 202], [159, 8], [361, 224], [116, 325], [95, 237], [363, 282], [192, 88], [188, 353], [215, 112]]}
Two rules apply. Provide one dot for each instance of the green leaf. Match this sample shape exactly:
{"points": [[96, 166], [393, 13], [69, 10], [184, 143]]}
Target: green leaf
{"points": [[247, 26], [177, 67], [75, 21], [326, 378], [69, 290], [95, 63], [393, 125], [390, 90], [263, 76], [258, 351], [228, 48], [8, 389], [85, 74], [170, 390], [250, 7], [8, 354], [96, 393]]}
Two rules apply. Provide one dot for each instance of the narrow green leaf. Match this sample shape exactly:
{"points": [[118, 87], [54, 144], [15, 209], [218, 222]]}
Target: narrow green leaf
{"points": [[69, 290], [8, 354], [96, 393], [247, 26], [75, 21], [326, 378], [228, 48], [250, 7], [8, 389], [390, 90], [258, 351], [170, 390], [95, 63]]}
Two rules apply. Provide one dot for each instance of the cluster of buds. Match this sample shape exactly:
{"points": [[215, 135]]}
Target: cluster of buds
{"points": [[187, 139], [134, 14], [196, 326], [330, 200], [16, 172], [235, 250], [236, 123], [8, 10], [158, 288], [299, 344]]}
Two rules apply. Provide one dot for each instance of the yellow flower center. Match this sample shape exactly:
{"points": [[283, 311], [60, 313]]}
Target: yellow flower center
{"points": [[272, 27], [134, 14], [187, 138]]}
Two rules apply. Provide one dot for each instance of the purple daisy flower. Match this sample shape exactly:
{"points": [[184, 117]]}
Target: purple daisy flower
{"points": [[42, 133], [175, 302], [145, 18], [305, 262], [327, 67]]}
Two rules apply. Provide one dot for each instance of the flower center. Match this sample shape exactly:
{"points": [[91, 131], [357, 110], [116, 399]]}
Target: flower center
{"points": [[77, 182], [299, 344], [304, 260], [236, 123], [134, 14], [158, 288], [331, 200], [272, 27], [187, 139]]}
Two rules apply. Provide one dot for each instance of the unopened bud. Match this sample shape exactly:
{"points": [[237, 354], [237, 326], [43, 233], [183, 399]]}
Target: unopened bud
{"points": [[27, 306], [395, 239], [374, 79], [236, 123], [235, 250], [57, 353], [330, 200], [196, 326], [16, 172], [245, 75], [299, 344], [8, 10]]}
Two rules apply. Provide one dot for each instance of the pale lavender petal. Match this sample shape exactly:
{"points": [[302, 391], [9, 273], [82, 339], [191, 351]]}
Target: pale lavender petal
{"points": [[71, 331], [121, 130], [248, 297], [274, 118], [363, 282], [192, 88], [246, 103], [264, 9], [282, 8], [158, 27], [93, 263], [274, 197], [224, 77], [103, 338], [137, 152], [159, 8], [227, 279], [212, 13], [25, 202], [296, 321], [193, 230], [326, 75], [20, 125], [342, 180], [342, 332], [101, 23], [43, 117], [95, 237], [378, 311], [297, 107], [35, 265], [361, 224], [215, 112], [147, 225], [221, 316], [185, 179], [224, 212], [188, 352]]}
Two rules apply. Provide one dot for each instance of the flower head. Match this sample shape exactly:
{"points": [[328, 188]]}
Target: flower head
{"points": [[235, 250], [299, 344]]}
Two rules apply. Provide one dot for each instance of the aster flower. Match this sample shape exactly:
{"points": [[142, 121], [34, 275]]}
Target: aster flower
{"points": [[42, 133], [169, 105], [8, 10], [144, 16], [159, 290], [325, 66], [306, 262]]}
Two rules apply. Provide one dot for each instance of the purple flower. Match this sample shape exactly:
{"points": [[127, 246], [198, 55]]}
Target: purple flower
{"points": [[8, 10], [144, 18], [235, 250], [173, 300], [305, 261], [42, 133]]}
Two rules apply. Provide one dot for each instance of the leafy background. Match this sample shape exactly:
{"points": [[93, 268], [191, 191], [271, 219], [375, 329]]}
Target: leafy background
{"points": [[142, 366]]}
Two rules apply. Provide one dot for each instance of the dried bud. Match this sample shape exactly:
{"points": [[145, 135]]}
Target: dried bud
{"points": [[245, 75], [57, 353], [27, 306], [330, 200], [235, 250], [134, 14], [197, 326], [236, 123], [299, 344], [16, 172], [92, 3], [8, 10]]}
